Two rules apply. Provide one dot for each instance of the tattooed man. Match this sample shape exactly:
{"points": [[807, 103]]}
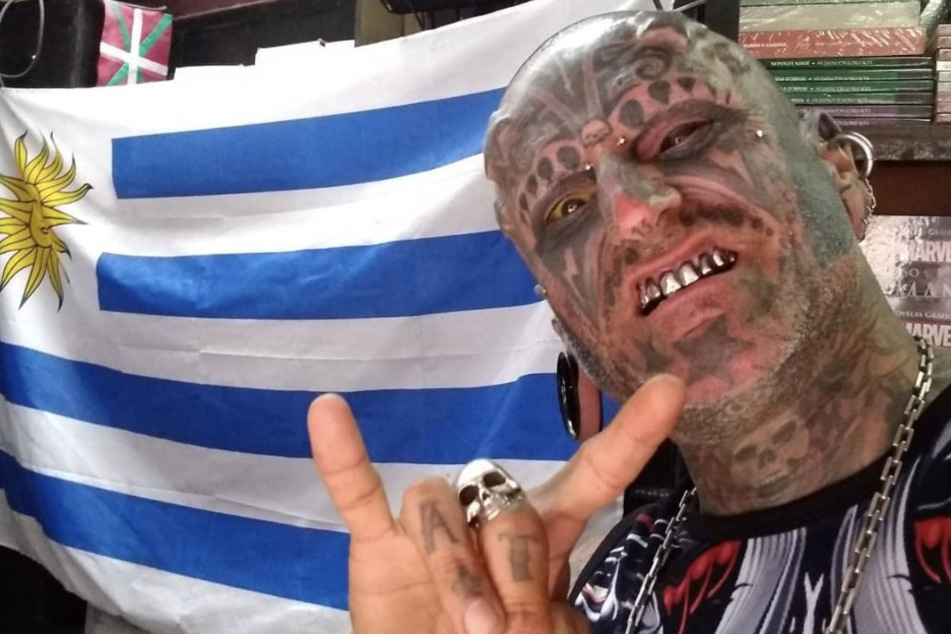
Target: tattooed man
{"points": [[685, 225]]}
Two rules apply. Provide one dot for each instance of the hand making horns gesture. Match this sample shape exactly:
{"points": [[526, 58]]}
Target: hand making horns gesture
{"points": [[428, 572]]}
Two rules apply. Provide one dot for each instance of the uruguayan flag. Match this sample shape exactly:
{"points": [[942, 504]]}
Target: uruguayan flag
{"points": [[185, 266]]}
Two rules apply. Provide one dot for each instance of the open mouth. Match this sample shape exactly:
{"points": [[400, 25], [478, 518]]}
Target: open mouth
{"points": [[707, 264]]}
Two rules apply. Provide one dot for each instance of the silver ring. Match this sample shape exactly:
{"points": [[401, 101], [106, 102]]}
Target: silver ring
{"points": [[861, 142], [485, 490]]}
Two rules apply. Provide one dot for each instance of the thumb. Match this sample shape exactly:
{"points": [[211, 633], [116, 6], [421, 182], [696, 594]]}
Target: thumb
{"points": [[606, 464]]}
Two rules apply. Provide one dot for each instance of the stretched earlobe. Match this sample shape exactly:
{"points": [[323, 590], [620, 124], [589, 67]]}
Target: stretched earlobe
{"points": [[579, 399]]}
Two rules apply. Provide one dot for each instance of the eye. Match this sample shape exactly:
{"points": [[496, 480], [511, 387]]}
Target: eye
{"points": [[681, 134], [567, 206]]}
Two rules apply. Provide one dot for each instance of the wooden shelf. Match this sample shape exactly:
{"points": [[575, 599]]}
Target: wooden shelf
{"points": [[925, 143]]}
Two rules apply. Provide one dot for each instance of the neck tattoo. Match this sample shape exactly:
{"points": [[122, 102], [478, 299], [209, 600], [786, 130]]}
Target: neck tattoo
{"points": [[868, 529]]}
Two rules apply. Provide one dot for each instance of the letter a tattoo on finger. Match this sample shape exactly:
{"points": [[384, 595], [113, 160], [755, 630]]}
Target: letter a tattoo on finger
{"points": [[433, 521]]}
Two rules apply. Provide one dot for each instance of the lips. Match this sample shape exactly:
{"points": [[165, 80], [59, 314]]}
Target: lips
{"points": [[653, 291]]}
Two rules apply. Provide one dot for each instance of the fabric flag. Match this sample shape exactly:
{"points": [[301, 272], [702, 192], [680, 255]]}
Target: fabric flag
{"points": [[185, 266], [135, 45]]}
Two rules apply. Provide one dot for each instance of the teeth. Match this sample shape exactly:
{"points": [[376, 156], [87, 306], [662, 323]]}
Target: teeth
{"points": [[653, 292], [719, 261], [650, 295], [687, 274], [669, 284]]}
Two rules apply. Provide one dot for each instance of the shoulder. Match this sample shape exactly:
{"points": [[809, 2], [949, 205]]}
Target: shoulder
{"points": [[613, 569]]}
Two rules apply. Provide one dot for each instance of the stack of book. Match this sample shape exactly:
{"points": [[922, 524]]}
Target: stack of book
{"points": [[861, 60], [942, 101], [861, 91]]}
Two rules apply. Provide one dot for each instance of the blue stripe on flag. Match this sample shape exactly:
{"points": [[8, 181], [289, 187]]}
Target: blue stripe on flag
{"points": [[394, 279], [426, 426], [330, 151], [269, 557]]}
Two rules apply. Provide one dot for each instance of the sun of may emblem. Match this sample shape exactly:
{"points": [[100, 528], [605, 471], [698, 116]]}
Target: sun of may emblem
{"points": [[40, 190]]}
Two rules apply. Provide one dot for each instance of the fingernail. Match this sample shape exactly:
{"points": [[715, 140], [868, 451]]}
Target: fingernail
{"points": [[480, 618]]}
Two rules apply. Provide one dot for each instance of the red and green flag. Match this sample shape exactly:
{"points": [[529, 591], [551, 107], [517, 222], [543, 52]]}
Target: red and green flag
{"points": [[135, 44]]}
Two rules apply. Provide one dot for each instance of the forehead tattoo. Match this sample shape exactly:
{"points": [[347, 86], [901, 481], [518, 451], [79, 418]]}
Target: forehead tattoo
{"points": [[570, 85]]}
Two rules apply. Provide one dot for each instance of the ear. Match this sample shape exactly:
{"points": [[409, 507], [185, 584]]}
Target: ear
{"points": [[838, 159]]}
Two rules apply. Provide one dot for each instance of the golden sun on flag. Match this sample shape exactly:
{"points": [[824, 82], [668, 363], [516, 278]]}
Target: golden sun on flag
{"points": [[33, 216]]}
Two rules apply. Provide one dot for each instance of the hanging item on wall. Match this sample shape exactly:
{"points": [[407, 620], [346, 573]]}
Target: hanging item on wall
{"points": [[135, 45]]}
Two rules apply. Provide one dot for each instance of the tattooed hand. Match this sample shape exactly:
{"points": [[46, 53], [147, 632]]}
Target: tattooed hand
{"points": [[427, 572]]}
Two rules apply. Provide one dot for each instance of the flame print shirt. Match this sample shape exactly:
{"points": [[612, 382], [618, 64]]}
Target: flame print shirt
{"points": [[779, 571]]}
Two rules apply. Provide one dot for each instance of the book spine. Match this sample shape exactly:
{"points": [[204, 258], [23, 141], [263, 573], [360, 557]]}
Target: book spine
{"points": [[772, 3], [878, 112], [920, 98], [944, 76], [901, 13], [835, 43], [925, 85], [850, 62], [943, 55], [942, 66], [867, 123], [863, 74]]}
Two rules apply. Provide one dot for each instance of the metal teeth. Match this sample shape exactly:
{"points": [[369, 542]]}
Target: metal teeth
{"points": [[650, 296], [687, 274], [669, 284], [707, 263]]}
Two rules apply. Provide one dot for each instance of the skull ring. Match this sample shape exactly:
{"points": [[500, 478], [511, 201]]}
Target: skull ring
{"points": [[485, 490]]}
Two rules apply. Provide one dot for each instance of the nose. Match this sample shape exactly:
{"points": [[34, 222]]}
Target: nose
{"points": [[636, 201]]}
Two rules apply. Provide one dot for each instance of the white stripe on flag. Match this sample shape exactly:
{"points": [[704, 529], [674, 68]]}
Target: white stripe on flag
{"points": [[132, 60], [384, 212], [464, 349], [136, 37]]}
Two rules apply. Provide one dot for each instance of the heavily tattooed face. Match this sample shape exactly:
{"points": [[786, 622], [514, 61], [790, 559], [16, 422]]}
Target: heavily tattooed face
{"points": [[658, 186]]}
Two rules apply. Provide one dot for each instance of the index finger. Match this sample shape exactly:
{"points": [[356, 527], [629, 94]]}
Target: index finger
{"points": [[606, 464], [354, 485]]}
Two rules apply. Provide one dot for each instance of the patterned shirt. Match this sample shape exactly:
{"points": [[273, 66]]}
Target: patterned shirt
{"points": [[779, 570]]}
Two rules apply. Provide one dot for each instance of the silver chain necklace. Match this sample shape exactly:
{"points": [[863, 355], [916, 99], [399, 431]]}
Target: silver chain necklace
{"points": [[864, 542]]}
